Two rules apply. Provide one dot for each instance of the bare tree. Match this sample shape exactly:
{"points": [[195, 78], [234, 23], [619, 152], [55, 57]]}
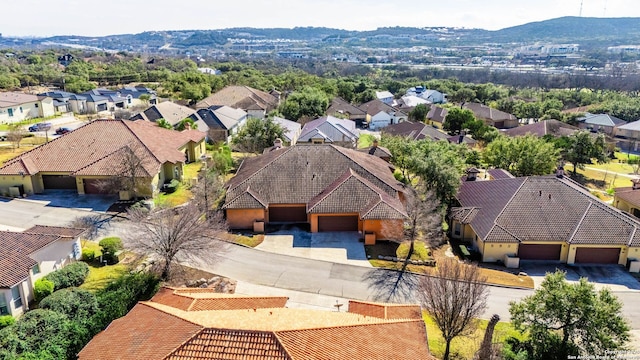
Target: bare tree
{"points": [[208, 191], [172, 233], [15, 135], [130, 170], [455, 296], [424, 221], [486, 351]]}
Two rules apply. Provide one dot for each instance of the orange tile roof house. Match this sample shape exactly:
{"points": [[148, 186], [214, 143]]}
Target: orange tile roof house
{"points": [[255, 102], [172, 326], [83, 158], [329, 187], [29, 255]]}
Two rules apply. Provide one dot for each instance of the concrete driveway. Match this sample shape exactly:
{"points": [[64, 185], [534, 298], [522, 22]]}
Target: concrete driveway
{"points": [[54, 208], [338, 247], [614, 277]]}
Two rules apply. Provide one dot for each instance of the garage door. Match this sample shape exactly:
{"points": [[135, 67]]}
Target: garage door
{"points": [[539, 251], [95, 186], [59, 182], [338, 223], [288, 214], [597, 255]]}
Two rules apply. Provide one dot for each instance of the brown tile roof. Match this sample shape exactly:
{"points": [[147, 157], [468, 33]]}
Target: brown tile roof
{"points": [[144, 333], [379, 151], [222, 344], [482, 111], [189, 299], [542, 128], [340, 106], [437, 114], [173, 113], [376, 106], [97, 147], [15, 249], [298, 174], [498, 174], [416, 131], [385, 311], [629, 195], [157, 331], [544, 208], [240, 97], [55, 230]]}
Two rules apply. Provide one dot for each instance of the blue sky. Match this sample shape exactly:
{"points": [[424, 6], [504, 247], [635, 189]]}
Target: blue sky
{"points": [[93, 18]]}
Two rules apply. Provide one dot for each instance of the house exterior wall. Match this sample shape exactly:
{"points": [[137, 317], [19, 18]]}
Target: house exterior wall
{"points": [[29, 110], [7, 181], [633, 253], [78, 106], [625, 205], [46, 107], [25, 293], [55, 256], [622, 260], [599, 128], [384, 229], [256, 113], [380, 120], [492, 252], [244, 218]]}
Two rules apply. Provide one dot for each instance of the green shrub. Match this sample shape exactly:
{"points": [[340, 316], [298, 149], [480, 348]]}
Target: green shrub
{"points": [[75, 303], [88, 254], [110, 246], [420, 251], [69, 276], [42, 288], [6, 320], [172, 186]]}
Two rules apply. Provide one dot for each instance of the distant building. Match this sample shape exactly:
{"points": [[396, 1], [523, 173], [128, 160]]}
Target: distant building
{"points": [[16, 107]]}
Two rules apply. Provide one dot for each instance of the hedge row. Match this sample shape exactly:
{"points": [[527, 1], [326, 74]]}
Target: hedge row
{"points": [[69, 276]]}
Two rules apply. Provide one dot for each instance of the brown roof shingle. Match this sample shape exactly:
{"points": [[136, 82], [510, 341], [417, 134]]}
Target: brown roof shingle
{"points": [[240, 97], [96, 147]]}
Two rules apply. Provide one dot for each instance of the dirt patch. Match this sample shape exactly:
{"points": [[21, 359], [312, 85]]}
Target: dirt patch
{"points": [[185, 276]]}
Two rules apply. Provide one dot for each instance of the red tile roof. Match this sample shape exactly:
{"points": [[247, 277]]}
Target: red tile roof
{"points": [[189, 299], [156, 331], [96, 147]]}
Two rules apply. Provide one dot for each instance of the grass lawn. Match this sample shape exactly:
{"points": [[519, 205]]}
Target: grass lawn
{"points": [[178, 197], [389, 248], [600, 180], [190, 171], [464, 347], [365, 141], [250, 241], [7, 152], [100, 276]]}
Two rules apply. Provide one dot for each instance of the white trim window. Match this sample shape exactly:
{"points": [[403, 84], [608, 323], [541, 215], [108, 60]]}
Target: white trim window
{"points": [[17, 296]]}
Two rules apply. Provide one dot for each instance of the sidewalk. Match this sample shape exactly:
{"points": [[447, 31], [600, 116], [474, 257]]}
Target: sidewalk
{"points": [[297, 299]]}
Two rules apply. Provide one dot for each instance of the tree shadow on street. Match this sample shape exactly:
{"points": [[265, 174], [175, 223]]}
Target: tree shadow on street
{"points": [[394, 286]]}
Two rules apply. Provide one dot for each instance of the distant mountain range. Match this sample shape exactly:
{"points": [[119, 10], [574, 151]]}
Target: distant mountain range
{"points": [[588, 32]]}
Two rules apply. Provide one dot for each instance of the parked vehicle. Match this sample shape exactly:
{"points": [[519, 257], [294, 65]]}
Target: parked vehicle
{"points": [[44, 126], [62, 130]]}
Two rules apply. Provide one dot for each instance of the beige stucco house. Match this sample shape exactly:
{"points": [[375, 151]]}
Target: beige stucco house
{"points": [[86, 159], [16, 107], [27, 256], [546, 218]]}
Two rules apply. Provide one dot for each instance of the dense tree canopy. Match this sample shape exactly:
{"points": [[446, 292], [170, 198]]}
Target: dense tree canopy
{"points": [[565, 319], [582, 148], [309, 102], [456, 120], [257, 135], [522, 156]]}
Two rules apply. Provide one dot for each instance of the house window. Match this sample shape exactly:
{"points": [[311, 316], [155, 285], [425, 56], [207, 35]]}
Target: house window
{"points": [[36, 105], [4, 308], [20, 109], [17, 298], [10, 111], [456, 230], [36, 269]]}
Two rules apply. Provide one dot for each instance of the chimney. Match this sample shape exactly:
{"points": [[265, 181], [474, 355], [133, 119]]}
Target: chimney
{"points": [[472, 173], [375, 143], [187, 125], [560, 172], [277, 143], [636, 184]]}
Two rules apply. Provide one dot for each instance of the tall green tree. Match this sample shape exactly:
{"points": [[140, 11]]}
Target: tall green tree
{"points": [[583, 148], [522, 156], [309, 102], [570, 319], [456, 119], [419, 113], [257, 135]]}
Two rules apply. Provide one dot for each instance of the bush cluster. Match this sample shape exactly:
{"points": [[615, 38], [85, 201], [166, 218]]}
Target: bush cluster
{"points": [[69, 318], [420, 251], [110, 246], [42, 288], [69, 276], [172, 186], [6, 320]]}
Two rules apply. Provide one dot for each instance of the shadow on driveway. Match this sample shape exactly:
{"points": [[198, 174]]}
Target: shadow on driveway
{"points": [[613, 276], [71, 200]]}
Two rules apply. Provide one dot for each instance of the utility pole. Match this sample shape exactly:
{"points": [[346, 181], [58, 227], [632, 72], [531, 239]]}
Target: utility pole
{"points": [[581, 2]]}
